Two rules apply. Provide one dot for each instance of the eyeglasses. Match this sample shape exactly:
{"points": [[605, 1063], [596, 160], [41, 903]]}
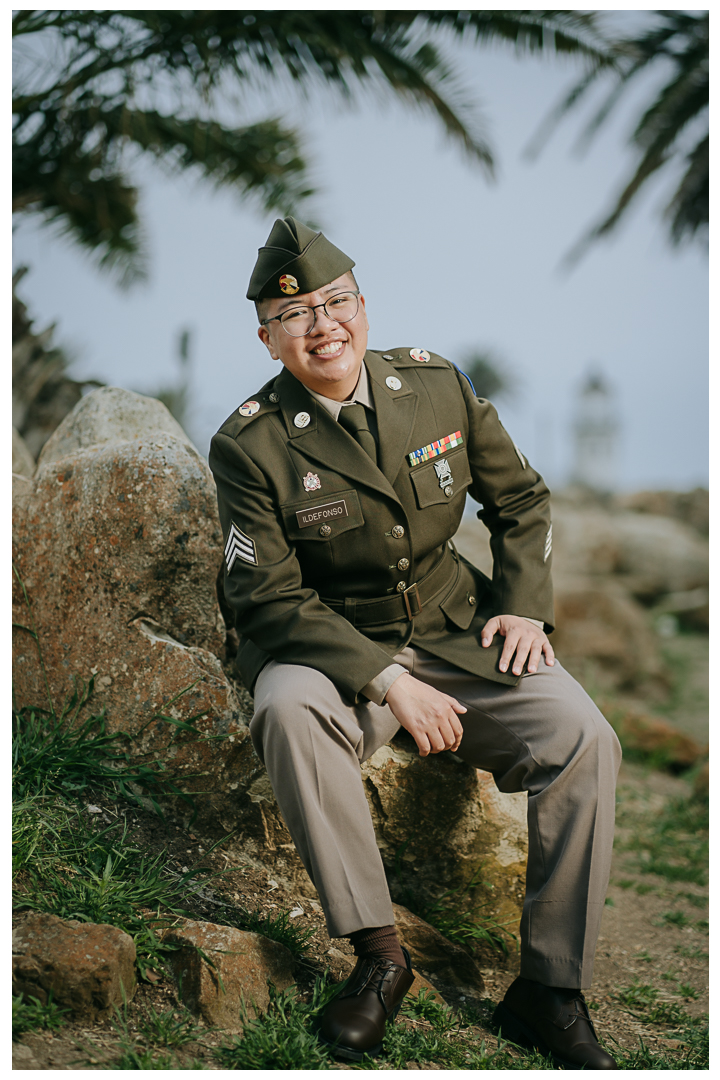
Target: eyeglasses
{"points": [[299, 321]]}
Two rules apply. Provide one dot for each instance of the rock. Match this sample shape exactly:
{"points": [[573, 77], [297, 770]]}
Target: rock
{"points": [[111, 415], [244, 963], [87, 967], [690, 507], [599, 622], [23, 462], [421, 983], [437, 958], [23, 1057], [446, 834], [654, 738]]}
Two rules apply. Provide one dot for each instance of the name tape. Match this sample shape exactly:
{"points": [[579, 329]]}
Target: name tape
{"points": [[327, 512]]}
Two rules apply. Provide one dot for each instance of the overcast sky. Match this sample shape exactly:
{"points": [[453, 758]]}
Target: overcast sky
{"points": [[446, 260]]}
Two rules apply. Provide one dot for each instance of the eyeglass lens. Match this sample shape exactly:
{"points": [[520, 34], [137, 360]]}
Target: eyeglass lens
{"points": [[299, 321]]}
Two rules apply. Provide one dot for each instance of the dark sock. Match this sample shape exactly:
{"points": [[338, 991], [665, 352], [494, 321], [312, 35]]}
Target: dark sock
{"points": [[381, 941]]}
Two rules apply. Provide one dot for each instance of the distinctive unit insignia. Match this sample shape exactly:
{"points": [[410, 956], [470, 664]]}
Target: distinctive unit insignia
{"points": [[393, 383], [421, 355], [302, 419], [311, 482], [249, 408], [239, 546], [274, 398], [434, 449], [289, 284]]}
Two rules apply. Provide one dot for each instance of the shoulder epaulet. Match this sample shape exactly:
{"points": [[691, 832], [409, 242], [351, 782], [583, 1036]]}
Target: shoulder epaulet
{"points": [[414, 357], [265, 401]]}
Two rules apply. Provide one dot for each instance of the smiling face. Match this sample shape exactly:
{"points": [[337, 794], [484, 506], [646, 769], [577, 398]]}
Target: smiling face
{"points": [[328, 359]]}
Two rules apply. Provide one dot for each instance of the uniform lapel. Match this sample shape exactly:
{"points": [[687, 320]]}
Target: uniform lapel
{"points": [[395, 411], [324, 440]]}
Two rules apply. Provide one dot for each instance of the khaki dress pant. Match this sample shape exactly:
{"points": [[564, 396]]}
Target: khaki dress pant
{"points": [[544, 736]]}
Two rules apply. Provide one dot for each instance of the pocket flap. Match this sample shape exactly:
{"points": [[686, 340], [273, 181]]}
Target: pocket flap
{"points": [[461, 603], [340, 511], [447, 472]]}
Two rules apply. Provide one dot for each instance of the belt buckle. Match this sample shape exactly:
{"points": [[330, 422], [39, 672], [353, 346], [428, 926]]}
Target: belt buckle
{"points": [[409, 589]]}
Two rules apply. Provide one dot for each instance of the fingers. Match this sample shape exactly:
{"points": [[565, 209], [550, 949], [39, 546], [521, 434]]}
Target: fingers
{"points": [[454, 705], [548, 653], [489, 631]]}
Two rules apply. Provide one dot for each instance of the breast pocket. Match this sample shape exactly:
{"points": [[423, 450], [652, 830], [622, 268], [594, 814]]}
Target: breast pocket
{"points": [[325, 518], [442, 479]]}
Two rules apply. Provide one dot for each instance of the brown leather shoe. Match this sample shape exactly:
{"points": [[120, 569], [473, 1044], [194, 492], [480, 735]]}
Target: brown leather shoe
{"points": [[354, 1022], [554, 1021]]}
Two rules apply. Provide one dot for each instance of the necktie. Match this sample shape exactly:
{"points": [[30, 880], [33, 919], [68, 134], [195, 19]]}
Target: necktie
{"points": [[354, 420]]}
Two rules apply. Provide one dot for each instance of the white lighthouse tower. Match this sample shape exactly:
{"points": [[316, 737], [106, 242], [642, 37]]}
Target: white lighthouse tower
{"points": [[596, 430]]}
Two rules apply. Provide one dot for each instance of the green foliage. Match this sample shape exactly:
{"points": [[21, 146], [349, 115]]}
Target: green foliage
{"points": [[31, 1015], [93, 85], [673, 129], [282, 1037], [171, 1027], [276, 927], [674, 843], [458, 914]]}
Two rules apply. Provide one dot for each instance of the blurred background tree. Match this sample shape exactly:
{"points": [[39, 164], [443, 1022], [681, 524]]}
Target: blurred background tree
{"points": [[93, 86], [488, 373], [673, 131]]}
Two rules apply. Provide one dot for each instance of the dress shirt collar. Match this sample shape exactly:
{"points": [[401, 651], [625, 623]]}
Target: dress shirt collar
{"points": [[362, 395]]}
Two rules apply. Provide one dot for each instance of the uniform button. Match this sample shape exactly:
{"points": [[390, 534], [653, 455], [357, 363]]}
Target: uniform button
{"points": [[325, 530], [471, 600], [274, 398], [398, 532], [401, 586], [449, 491], [403, 564]]}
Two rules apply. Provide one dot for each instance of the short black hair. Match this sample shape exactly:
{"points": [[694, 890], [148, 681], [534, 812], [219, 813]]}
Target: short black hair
{"points": [[261, 305]]}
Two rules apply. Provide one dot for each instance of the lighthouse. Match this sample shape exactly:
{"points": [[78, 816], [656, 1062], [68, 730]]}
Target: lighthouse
{"points": [[596, 430]]}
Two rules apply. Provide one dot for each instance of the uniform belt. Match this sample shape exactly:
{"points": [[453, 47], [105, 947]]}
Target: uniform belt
{"points": [[407, 605]]}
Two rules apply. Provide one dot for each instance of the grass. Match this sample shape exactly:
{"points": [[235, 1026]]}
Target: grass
{"points": [[32, 1015], [641, 1001], [276, 927], [673, 843], [460, 917]]}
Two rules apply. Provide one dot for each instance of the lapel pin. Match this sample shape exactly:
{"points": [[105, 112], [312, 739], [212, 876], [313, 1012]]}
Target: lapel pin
{"points": [[302, 419], [393, 383], [311, 482], [249, 408], [421, 355], [274, 398]]}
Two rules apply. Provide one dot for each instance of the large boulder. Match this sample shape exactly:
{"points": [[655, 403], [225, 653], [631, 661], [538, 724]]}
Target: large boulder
{"points": [[452, 843]]}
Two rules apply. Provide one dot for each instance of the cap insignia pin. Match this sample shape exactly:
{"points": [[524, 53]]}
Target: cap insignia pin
{"points": [[311, 482], [421, 355], [393, 383], [302, 419], [289, 284], [249, 408]]}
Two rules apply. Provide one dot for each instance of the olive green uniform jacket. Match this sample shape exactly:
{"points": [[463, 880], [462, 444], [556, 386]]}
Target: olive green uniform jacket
{"points": [[315, 570]]}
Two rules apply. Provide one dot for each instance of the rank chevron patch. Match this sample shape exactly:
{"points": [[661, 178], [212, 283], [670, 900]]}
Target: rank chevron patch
{"points": [[239, 546], [548, 544]]}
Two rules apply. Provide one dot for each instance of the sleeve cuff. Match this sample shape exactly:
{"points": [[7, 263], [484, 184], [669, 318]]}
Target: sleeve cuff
{"points": [[535, 622], [378, 687]]}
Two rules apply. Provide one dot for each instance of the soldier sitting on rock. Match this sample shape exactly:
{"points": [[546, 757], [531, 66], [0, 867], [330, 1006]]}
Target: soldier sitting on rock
{"points": [[340, 486]]}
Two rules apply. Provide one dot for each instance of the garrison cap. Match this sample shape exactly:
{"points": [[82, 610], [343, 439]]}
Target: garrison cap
{"points": [[295, 260]]}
